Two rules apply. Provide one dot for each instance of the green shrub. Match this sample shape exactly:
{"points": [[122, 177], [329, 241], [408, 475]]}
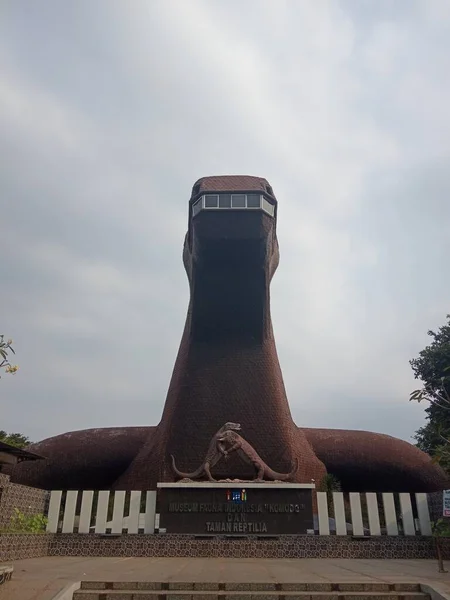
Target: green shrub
{"points": [[22, 523]]}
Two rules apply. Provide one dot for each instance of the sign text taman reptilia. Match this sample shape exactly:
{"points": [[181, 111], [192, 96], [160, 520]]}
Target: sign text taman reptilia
{"points": [[212, 511]]}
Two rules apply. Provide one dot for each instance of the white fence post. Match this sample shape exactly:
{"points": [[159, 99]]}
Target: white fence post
{"points": [[423, 513], [117, 520], [53, 511], [322, 506], [407, 514], [102, 511], [339, 513], [389, 513], [355, 509], [84, 525], [373, 512], [150, 512], [135, 510], [69, 511]]}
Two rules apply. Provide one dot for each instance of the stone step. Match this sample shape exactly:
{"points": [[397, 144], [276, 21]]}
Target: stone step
{"points": [[125, 593], [206, 586]]}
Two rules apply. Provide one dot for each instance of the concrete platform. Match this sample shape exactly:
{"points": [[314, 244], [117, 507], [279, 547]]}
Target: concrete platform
{"points": [[42, 578]]}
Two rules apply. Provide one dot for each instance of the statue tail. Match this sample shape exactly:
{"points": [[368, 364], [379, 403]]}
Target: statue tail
{"points": [[283, 476], [193, 475]]}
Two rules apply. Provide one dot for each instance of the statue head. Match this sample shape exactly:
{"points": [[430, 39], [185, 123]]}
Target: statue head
{"points": [[231, 426], [227, 435]]}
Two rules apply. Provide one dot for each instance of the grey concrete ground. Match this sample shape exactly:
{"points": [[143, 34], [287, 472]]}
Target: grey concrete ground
{"points": [[42, 578]]}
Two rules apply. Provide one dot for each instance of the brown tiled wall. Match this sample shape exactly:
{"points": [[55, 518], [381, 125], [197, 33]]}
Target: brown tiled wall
{"points": [[15, 546], [284, 547], [28, 500]]}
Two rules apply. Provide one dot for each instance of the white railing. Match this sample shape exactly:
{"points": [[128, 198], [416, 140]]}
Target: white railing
{"points": [[97, 512], [355, 514], [373, 514]]}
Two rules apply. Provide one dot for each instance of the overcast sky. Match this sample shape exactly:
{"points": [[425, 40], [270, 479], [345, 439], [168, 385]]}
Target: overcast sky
{"points": [[111, 109]]}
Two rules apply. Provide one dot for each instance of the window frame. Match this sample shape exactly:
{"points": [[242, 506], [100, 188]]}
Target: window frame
{"points": [[239, 207], [211, 196], [264, 204]]}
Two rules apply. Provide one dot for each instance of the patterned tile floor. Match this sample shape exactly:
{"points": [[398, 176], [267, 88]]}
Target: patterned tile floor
{"points": [[41, 578]]}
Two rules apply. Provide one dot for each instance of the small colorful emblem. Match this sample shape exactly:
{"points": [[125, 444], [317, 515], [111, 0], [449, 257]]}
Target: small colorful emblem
{"points": [[236, 495]]}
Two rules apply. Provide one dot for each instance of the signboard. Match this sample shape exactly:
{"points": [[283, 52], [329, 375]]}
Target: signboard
{"points": [[259, 510], [446, 503]]}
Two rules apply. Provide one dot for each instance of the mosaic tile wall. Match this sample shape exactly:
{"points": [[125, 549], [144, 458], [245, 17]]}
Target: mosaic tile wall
{"points": [[28, 500], [303, 546], [15, 546]]}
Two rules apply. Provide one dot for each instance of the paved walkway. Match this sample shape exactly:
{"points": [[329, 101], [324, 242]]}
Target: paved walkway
{"points": [[42, 578]]}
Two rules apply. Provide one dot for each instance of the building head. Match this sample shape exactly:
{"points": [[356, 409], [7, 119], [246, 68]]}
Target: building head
{"points": [[231, 213], [232, 192], [230, 255]]}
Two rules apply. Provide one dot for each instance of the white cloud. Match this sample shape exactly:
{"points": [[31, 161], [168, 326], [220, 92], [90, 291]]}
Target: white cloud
{"points": [[106, 125]]}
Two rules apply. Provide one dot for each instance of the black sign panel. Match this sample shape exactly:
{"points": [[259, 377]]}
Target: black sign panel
{"points": [[235, 511]]}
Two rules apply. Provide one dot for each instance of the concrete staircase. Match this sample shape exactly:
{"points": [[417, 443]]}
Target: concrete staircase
{"points": [[145, 590]]}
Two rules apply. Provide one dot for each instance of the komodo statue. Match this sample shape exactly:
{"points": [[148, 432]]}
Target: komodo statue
{"points": [[213, 455], [230, 441]]}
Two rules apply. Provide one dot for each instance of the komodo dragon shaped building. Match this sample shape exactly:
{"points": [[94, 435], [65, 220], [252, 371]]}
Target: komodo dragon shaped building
{"points": [[227, 368], [213, 454], [230, 442]]}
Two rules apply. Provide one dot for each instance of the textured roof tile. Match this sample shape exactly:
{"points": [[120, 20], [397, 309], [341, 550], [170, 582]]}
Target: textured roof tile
{"points": [[231, 183]]}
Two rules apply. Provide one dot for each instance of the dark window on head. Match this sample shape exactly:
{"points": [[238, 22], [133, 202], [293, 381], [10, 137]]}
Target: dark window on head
{"points": [[211, 201], [238, 201], [225, 201], [196, 207], [253, 201]]}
